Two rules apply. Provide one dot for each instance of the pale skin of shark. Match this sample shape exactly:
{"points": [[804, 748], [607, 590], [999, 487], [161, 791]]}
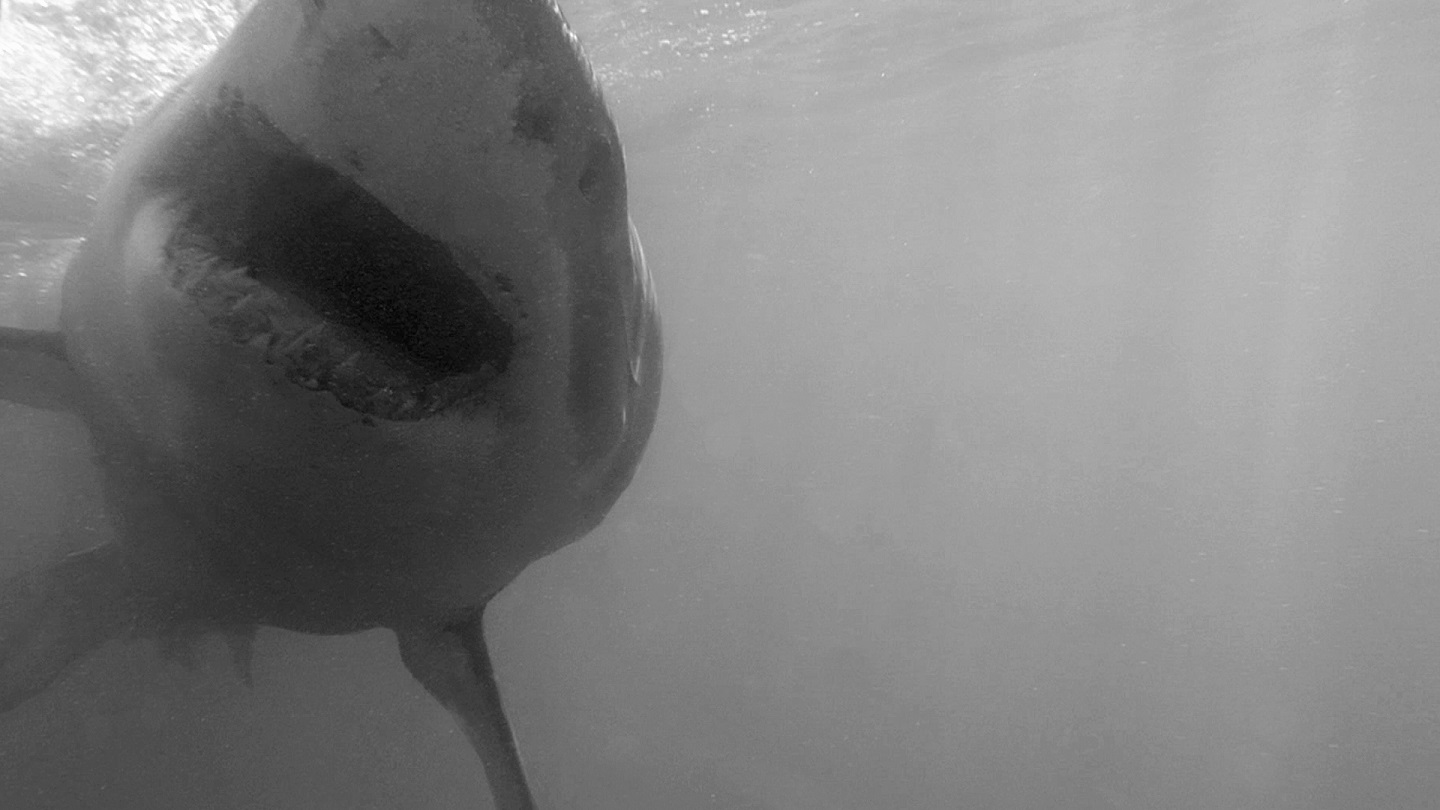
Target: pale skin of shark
{"points": [[453, 151]]}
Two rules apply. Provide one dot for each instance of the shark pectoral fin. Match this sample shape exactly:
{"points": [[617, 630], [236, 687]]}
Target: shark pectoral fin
{"points": [[453, 664], [52, 617], [34, 371]]}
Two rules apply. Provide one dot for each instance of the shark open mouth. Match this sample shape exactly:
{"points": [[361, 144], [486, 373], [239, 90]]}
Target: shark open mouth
{"points": [[287, 255], [365, 372]]}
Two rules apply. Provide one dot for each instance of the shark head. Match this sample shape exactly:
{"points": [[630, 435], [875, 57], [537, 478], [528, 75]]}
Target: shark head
{"points": [[362, 328], [390, 240]]}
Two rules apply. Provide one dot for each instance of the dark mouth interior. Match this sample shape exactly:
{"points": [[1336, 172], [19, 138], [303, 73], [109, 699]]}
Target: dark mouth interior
{"points": [[309, 232], [280, 248]]}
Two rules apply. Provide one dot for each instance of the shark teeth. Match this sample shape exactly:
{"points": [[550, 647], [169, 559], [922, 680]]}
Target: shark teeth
{"points": [[316, 353]]}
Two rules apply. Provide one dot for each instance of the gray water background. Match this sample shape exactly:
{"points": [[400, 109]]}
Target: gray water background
{"points": [[1051, 422]]}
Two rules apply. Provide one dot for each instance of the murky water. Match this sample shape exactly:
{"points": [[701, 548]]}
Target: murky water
{"points": [[1051, 422]]}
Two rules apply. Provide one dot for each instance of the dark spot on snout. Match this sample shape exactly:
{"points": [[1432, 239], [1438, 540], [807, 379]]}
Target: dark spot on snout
{"points": [[603, 177], [303, 229], [536, 118], [381, 45]]}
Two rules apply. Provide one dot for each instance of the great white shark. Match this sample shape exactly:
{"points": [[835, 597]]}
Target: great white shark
{"points": [[361, 329]]}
